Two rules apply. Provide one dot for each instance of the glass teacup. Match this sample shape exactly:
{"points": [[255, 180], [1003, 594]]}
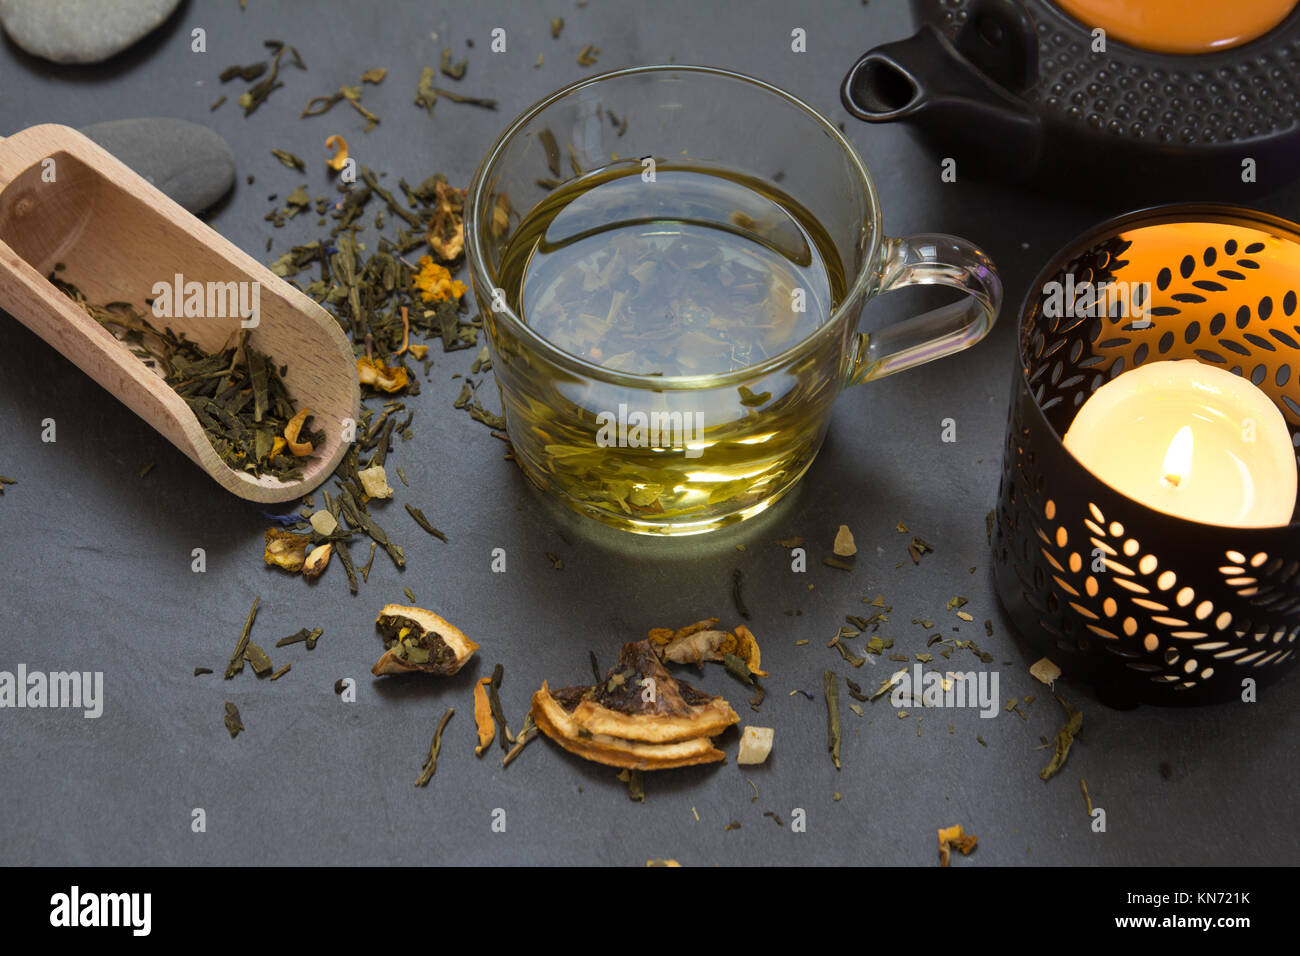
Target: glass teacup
{"points": [[688, 451]]}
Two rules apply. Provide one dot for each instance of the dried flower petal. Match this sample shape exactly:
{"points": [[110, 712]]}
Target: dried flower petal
{"points": [[380, 376], [435, 282], [340, 157], [446, 235]]}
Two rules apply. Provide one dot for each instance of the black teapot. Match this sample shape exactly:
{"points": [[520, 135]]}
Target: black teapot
{"points": [[1017, 89]]}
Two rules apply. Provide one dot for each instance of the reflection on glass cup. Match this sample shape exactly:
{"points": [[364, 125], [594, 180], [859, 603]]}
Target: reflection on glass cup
{"points": [[693, 446]]}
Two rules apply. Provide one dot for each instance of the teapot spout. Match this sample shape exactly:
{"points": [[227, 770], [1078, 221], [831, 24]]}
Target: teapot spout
{"points": [[959, 97]]}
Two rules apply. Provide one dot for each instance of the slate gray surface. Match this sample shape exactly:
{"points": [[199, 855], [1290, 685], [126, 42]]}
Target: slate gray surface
{"points": [[95, 562]]}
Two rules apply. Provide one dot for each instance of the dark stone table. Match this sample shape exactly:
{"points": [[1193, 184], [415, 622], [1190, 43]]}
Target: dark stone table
{"points": [[96, 561]]}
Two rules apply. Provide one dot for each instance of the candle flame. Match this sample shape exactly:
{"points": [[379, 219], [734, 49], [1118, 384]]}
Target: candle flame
{"points": [[1178, 459]]}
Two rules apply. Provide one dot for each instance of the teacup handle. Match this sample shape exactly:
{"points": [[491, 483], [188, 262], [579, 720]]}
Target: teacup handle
{"points": [[930, 259]]}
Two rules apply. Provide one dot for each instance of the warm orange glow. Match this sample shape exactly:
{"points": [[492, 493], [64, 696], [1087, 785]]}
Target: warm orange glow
{"points": [[1178, 459]]}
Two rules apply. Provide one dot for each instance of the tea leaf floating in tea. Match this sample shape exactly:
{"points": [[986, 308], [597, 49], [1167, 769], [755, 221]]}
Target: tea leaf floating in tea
{"points": [[431, 762], [615, 722], [419, 640]]}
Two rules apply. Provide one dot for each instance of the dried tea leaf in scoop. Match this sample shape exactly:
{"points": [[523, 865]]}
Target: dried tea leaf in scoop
{"points": [[419, 640], [639, 717]]}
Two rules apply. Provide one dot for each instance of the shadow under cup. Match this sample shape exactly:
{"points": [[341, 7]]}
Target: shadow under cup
{"points": [[685, 454]]}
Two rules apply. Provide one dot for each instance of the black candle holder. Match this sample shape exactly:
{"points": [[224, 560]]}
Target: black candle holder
{"points": [[1183, 612]]}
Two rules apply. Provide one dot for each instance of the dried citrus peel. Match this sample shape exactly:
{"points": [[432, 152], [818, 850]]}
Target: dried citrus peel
{"points": [[419, 640], [297, 448], [487, 727], [639, 717], [701, 641]]}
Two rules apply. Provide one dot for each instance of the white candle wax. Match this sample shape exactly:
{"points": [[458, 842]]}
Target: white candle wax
{"points": [[1191, 440]]}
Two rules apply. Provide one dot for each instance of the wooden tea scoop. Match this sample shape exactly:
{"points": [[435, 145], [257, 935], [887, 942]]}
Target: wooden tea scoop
{"points": [[63, 199]]}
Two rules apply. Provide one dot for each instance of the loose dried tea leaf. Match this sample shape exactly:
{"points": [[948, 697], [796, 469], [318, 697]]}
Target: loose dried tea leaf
{"points": [[557, 24], [844, 546], [733, 825], [305, 636], [258, 659], [258, 93], [856, 692], [375, 76], [1083, 786], [755, 745], [237, 658], [790, 542], [237, 395], [639, 717], [1064, 739], [486, 726], [455, 70], [737, 580], [431, 761], [832, 691], [281, 672], [245, 73], [423, 522], [198, 671], [232, 721], [419, 640], [635, 784], [587, 55], [494, 700], [840, 563], [525, 738], [289, 159], [738, 668]]}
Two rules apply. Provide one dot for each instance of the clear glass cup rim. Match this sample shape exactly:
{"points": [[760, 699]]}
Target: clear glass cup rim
{"points": [[479, 195]]}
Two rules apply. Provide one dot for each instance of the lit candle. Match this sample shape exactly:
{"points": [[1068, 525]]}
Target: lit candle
{"points": [[1191, 440]]}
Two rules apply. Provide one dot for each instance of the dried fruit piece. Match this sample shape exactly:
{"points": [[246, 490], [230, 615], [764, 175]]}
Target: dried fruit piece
{"points": [[323, 523], [953, 837], [844, 545], [639, 717], [1045, 671], [701, 641], [284, 549], [374, 482], [317, 561], [755, 744], [419, 640]]}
